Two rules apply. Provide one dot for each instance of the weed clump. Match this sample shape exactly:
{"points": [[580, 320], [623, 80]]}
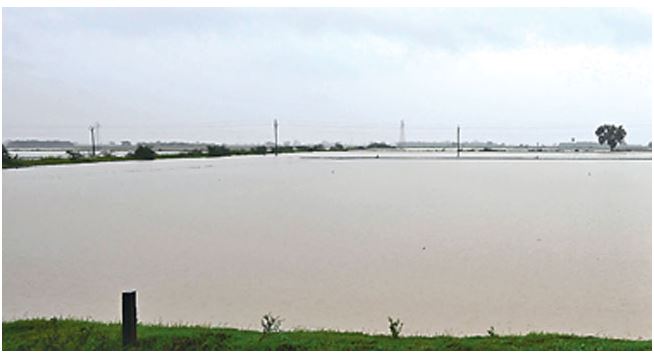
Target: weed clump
{"points": [[271, 323], [491, 332], [395, 326]]}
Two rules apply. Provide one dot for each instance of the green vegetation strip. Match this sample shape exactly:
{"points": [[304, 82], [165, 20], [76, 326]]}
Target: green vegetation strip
{"points": [[57, 334], [146, 153], [22, 163]]}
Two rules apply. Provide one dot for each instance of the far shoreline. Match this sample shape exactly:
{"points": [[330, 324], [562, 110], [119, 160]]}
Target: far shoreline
{"points": [[367, 154]]}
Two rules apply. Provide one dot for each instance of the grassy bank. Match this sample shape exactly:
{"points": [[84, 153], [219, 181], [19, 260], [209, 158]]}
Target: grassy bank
{"points": [[54, 334], [22, 163]]}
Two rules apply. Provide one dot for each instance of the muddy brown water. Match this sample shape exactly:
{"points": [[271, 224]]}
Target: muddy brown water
{"points": [[446, 246]]}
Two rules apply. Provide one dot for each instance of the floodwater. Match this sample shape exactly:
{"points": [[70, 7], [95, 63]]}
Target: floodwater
{"points": [[447, 246]]}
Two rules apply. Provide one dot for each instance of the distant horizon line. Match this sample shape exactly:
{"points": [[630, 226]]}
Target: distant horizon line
{"points": [[415, 144]]}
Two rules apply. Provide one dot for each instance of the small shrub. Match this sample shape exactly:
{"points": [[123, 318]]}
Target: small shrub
{"points": [[395, 326], [259, 150], [74, 155], [218, 150], [491, 332], [270, 323], [143, 152]]}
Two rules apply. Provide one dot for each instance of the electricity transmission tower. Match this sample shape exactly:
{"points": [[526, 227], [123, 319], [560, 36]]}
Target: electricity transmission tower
{"points": [[402, 141]]}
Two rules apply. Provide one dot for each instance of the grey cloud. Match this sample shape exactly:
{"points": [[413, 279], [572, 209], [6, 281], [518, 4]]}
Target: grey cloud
{"points": [[453, 28], [174, 70]]}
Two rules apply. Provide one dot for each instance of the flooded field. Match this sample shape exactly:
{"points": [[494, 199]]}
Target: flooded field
{"points": [[448, 246]]}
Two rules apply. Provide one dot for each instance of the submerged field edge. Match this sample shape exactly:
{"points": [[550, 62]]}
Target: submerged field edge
{"points": [[70, 334], [46, 161], [16, 163], [541, 157]]}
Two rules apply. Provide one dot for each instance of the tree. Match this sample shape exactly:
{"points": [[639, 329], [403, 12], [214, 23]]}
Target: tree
{"points": [[143, 152], [337, 147], [611, 135]]}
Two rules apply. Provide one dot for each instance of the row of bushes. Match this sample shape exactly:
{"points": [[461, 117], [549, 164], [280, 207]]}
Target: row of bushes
{"points": [[144, 152]]}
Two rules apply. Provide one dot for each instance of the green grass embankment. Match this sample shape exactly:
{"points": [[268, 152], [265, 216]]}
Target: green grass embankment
{"points": [[58, 334]]}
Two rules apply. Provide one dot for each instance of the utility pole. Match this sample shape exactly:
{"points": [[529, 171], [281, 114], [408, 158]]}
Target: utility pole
{"points": [[92, 129], [458, 141], [402, 135], [276, 126], [97, 136]]}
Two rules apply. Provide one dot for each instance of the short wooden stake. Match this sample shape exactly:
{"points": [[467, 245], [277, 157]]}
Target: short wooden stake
{"points": [[129, 318]]}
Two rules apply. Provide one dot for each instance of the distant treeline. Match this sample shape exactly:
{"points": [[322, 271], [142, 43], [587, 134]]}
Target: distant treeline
{"points": [[145, 152], [39, 144], [224, 150]]}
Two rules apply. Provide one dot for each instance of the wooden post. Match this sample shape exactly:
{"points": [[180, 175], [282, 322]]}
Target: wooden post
{"points": [[129, 318]]}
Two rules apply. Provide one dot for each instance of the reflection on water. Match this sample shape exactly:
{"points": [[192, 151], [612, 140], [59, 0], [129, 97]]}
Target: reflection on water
{"points": [[447, 246]]}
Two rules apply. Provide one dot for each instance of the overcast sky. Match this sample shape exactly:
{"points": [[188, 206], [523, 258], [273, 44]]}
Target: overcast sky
{"points": [[348, 75]]}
